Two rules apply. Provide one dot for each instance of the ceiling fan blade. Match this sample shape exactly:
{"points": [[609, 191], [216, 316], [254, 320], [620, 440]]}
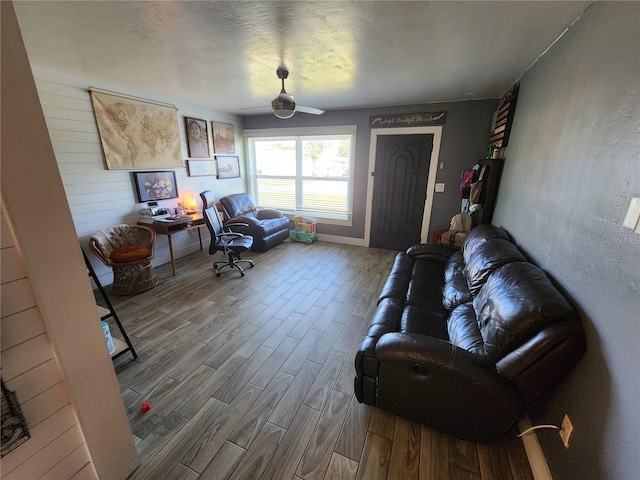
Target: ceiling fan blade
{"points": [[262, 107], [311, 110]]}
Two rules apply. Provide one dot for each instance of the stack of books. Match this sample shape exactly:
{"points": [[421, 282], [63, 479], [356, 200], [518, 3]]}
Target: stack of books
{"points": [[146, 218]]}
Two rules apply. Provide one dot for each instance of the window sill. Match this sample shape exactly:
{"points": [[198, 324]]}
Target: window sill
{"points": [[324, 218]]}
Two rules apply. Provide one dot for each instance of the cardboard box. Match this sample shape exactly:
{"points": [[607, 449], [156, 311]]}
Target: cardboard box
{"points": [[453, 238]]}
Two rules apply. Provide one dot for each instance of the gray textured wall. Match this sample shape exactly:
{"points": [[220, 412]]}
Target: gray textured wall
{"points": [[572, 166], [464, 140]]}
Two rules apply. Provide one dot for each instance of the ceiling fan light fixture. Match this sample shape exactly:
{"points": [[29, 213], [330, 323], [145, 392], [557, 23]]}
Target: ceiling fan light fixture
{"points": [[283, 110]]}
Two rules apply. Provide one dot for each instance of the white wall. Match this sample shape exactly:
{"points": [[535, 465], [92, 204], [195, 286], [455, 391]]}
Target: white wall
{"points": [[100, 198], [56, 447]]}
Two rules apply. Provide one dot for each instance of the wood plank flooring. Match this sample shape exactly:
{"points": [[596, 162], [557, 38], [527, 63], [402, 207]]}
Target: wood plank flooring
{"points": [[252, 377]]}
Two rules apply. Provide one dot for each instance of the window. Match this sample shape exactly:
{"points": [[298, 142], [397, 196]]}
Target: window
{"points": [[307, 173]]}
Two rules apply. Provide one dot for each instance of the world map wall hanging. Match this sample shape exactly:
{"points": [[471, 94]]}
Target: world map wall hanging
{"points": [[136, 134]]}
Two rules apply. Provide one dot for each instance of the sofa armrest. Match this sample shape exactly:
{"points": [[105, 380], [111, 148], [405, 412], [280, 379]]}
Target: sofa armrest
{"points": [[236, 225], [433, 382], [432, 352], [433, 252], [543, 358], [267, 213], [246, 221]]}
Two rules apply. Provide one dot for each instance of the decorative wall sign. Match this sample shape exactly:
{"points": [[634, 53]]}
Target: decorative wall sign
{"points": [[228, 167], [136, 134], [155, 185], [224, 140], [197, 137], [503, 118], [199, 168], [408, 119]]}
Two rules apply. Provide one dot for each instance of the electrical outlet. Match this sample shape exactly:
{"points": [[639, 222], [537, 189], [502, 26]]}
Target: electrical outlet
{"points": [[566, 431]]}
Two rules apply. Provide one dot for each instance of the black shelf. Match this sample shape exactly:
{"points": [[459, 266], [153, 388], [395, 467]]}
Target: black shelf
{"points": [[489, 190], [109, 312]]}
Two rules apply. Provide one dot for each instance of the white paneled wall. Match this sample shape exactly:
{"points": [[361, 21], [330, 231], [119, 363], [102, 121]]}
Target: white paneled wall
{"points": [[56, 448], [100, 198]]}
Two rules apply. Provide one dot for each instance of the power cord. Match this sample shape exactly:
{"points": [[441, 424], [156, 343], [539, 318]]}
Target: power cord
{"points": [[531, 429]]}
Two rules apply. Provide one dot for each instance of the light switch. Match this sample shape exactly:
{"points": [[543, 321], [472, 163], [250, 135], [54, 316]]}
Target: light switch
{"points": [[439, 187], [632, 219]]}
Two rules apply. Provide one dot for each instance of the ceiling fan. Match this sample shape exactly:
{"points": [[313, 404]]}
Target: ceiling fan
{"points": [[283, 106]]}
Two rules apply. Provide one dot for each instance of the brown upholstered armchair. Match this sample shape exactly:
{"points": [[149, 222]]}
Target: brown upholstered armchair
{"points": [[128, 250]]}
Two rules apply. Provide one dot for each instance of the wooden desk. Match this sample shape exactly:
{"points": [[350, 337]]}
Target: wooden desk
{"points": [[195, 222]]}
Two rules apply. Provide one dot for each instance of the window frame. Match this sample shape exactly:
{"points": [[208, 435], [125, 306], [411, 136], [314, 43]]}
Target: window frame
{"points": [[299, 135]]}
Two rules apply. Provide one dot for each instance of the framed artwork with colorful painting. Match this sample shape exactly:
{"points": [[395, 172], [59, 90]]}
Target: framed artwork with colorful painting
{"points": [[157, 185]]}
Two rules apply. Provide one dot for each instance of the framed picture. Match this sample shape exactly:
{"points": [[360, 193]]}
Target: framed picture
{"points": [[155, 185], [197, 137], [199, 168], [224, 140], [228, 167]]}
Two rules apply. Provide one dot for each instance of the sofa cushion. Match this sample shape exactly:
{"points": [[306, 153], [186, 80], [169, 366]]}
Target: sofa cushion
{"points": [[454, 266], [517, 300], [456, 292], [424, 321], [431, 270], [425, 293], [129, 253], [480, 234], [238, 204], [463, 330], [488, 257]]}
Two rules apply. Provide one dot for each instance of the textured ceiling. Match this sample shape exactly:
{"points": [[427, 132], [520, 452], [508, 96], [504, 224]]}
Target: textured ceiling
{"points": [[223, 55]]}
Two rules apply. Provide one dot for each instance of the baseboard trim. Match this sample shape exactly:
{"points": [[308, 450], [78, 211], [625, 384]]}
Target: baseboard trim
{"points": [[358, 242], [537, 461]]}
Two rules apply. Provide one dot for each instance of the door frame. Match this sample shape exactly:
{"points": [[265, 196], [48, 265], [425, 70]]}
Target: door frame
{"points": [[431, 181]]}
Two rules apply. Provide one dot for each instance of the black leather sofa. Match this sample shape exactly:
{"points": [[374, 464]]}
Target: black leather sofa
{"points": [[462, 341], [268, 227]]}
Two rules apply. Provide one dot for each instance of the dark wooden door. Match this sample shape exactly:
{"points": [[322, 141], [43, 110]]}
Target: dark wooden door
{"points": [[399, 190]]}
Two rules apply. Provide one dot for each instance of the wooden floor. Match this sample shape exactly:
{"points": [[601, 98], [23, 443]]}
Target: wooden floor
{"points": [[252, 377]]}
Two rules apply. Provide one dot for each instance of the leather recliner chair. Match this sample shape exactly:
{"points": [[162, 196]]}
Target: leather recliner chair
{"points": [[267, 226]]}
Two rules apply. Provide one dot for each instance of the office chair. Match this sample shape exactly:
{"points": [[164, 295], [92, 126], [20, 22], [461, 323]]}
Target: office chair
{"points": [[230, 243]]}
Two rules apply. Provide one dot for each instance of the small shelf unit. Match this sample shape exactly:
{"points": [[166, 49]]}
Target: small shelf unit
{"points": [[121, 347]]}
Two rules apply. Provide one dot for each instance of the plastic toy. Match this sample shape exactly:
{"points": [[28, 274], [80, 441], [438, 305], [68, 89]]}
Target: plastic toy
{"points": [[305, 231]]}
